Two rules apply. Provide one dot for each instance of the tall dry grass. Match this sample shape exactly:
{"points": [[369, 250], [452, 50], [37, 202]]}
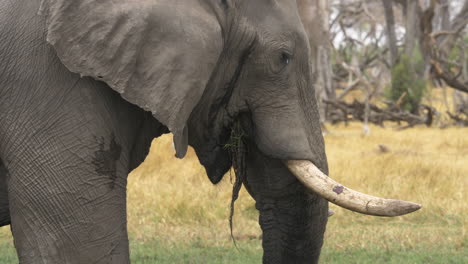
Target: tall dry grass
{"points": [[173, 200], [429, 166]]}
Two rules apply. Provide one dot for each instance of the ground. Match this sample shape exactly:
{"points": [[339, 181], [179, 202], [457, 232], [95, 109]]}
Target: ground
{"points": [[177, 216]]}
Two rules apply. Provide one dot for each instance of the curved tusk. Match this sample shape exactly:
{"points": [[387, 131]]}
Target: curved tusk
{"points": [[316, 181]]}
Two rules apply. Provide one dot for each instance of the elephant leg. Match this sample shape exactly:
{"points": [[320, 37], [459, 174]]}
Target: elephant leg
{"points": [[68, 160], [292, 220], [66, 142], [68, 201], [4, 208], [68, 213]]}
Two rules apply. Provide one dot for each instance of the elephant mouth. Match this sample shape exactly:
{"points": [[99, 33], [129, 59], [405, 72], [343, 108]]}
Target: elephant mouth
{"points": [[316, 181]]}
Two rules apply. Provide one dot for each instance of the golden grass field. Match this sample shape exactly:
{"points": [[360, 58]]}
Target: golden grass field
{"points": [[173, 201]]}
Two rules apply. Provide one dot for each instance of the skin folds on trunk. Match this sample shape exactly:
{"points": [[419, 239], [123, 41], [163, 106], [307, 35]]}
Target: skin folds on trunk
{"points": [[292, 219]]}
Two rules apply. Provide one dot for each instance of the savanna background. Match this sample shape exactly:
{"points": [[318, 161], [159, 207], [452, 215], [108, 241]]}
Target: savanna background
{"points": [[392, 85]]}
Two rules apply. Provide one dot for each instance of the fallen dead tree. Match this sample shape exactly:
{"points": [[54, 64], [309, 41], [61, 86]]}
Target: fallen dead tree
{"points": [[459, 119], [340, 111]]}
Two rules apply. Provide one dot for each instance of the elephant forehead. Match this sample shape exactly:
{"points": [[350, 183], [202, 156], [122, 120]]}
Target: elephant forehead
{"points": [[279, 15], [278, 23]]}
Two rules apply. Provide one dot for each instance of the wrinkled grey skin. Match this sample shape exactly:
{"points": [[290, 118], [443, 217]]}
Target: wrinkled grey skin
{"points": [[4, 209], [68, 142]]}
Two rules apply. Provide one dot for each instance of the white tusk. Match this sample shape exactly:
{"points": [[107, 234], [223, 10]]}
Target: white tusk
{"points": [[316, 181]]}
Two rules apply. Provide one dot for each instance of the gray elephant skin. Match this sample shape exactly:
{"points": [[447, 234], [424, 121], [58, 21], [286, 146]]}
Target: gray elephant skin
{"points": [[85, 86]]}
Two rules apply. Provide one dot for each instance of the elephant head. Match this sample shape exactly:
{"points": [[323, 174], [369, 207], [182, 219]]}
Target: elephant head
{"points": [[200, 67]]}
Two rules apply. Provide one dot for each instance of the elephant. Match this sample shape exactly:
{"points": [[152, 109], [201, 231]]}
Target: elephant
{"points": [[86, 85]]}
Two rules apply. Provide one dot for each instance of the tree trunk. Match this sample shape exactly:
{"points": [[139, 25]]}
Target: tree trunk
{"points": [[412, 36], [443, 14], [315, 17], [391, 36]]}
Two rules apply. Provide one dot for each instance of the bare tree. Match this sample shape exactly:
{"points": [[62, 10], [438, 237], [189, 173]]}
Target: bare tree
{"points": [[356, 44], [457, 25], [412, 34], [315, 17], [391, 35], [440, 44]]}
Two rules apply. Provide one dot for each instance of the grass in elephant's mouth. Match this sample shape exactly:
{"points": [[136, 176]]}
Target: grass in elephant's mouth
{"points": [[177, 216]]}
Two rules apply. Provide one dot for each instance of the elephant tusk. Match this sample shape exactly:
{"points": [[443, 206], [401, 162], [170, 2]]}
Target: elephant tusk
{"points": [[316, 181]]}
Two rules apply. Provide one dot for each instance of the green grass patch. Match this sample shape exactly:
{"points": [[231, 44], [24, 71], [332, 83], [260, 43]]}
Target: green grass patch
{"points": [[197, 251], [194, 252], [7, 251], [395, 256]]}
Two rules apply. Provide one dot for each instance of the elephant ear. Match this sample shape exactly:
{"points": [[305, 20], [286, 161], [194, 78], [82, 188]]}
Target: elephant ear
{"points": [[158, 54]]}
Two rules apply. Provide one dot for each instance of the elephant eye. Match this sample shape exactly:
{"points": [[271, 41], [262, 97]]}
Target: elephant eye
{"points": [[285, 58], [280, 61]]}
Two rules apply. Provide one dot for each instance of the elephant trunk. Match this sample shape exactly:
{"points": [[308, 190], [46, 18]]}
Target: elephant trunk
{"points": [[318, 182]]}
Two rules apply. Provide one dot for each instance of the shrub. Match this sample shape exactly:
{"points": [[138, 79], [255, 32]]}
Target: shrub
{"points": [[407, 85]]}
